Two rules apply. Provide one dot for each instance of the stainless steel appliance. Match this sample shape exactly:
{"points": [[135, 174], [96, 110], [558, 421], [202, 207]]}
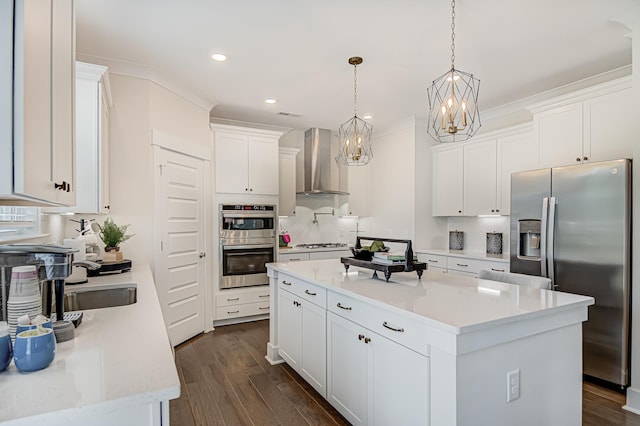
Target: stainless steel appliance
{"points": [[54, 265], [247, 243], [572, 224]]}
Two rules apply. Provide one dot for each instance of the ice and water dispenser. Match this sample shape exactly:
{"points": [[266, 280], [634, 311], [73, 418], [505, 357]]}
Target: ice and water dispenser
{"points": [[529, 239]]}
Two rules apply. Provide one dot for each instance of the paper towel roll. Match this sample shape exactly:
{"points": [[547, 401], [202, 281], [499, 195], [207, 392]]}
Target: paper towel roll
{"points": [[79, 274]]}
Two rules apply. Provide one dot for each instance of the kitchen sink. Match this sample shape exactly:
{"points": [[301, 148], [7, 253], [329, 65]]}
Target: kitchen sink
{"points": [[102, 298]]}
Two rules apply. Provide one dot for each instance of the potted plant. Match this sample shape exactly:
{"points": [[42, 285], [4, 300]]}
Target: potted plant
{"points": [[112, 235]]}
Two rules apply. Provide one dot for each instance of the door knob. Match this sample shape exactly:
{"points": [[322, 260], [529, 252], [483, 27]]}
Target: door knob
{"points": [[202, 254]]}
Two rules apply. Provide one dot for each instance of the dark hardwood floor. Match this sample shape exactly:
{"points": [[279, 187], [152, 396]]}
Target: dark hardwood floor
{"points": [[226, 380]]}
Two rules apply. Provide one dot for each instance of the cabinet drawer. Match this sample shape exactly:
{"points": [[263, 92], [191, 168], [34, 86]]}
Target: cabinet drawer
{"points": [[240, 298], [292, 257], [307, 291], [433, 260], [246, 310], [396, 327], [474, 265]]}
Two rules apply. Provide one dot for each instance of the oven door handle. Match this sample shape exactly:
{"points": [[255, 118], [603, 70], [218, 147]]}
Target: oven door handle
{"points": [[247, 246], [259, 215]]}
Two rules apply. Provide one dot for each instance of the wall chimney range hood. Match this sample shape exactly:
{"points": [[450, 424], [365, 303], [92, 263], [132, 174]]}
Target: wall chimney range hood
{"points": [[321, 173]]}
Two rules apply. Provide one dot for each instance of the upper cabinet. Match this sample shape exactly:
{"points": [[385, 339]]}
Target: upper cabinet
{"points": [[37, 56], [246, 160], [93, 103], [448, 181], [474, 178], [590, 125], [358, 190], [287, 181]]}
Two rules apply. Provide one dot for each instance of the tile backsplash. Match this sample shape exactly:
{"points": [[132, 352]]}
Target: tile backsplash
{"points": [[475, 231]]}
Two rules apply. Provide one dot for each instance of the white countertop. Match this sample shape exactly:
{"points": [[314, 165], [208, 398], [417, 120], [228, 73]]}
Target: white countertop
{"points": [[504, 258], [454, 303], [121, 357]]}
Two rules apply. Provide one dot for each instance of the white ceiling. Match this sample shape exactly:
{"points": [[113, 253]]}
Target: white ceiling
{"points": [[297, 51]]}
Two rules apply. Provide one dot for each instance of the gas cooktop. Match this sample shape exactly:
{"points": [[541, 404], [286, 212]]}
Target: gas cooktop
{"points": [[321, 245]]}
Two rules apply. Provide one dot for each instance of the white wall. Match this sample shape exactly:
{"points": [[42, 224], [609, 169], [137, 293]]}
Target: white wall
{"points": [[139, 106]]}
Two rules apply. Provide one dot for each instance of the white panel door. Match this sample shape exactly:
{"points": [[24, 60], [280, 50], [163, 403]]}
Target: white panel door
{"points": [[180, 277]]}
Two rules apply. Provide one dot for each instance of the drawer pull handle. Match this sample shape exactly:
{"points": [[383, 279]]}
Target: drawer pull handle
{"points": [[367, 340], [262, 308], [293, 259], [461, 264], [432, 261], [346, 308], [296, 303], [309, 293], [233, 312], [386, 325], [263, 295], [497, 270], [360, 336], [286, 282], [234, 299]]}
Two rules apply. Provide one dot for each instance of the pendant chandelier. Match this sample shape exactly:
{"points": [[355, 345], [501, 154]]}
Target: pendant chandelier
{"points": [[453, 100], [355, 134]]}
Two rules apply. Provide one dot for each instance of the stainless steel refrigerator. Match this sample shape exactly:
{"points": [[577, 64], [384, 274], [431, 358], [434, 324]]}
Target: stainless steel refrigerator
{"points": [[573, 225]]}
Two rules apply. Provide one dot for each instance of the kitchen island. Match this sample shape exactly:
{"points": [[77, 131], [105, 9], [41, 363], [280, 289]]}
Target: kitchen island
{"points": [[443, 350], [119, 368]]}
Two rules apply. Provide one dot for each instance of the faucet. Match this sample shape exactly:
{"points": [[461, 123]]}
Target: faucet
{"points": [[86, 264], [315, 216]]}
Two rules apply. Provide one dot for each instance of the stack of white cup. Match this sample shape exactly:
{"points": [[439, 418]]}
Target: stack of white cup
{"points": [[24, 295]]}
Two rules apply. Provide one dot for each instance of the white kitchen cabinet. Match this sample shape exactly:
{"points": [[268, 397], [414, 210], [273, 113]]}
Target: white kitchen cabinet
{"points": [[366, 371], [586, 126], [302, 330], [93, 102], [463, 264], [241, 303], [607, 125], [292, 257], [246, 160], [516, 153], [38, 52], [480, 178], [448, 168], [359, 190], [332, 254], [287, 181]]}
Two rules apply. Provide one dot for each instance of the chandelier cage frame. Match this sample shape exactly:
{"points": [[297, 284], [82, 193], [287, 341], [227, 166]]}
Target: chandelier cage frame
{"points": [[355, 134], [453, 100]]}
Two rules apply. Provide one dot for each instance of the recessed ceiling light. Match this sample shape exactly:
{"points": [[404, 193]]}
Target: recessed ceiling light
{"points": [[220, 57], [270, 101], [367, 117]]}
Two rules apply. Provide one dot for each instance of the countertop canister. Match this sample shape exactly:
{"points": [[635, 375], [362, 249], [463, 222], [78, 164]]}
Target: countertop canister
{"points": [[494, 242], [456, 240]]}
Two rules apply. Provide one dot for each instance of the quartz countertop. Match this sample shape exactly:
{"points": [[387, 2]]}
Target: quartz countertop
{"points": [[454, 303], [120, 358], [468, 254]]}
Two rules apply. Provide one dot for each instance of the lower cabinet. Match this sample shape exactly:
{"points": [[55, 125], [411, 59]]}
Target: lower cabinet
{"points": [[374, 380], [242, 302], [302, 338]]}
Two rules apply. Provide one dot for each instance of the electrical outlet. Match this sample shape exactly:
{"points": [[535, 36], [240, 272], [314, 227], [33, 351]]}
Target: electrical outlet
{"points": [[513, 385]]}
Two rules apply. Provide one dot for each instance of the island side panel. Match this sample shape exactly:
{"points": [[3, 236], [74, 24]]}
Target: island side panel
{"points": [[273, 356], [474, 386]]}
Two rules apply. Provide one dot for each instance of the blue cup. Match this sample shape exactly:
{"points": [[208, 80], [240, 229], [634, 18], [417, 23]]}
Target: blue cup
{"points": [[6, 351], [34, 349]]}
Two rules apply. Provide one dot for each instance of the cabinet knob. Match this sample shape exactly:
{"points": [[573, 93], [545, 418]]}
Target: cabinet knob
{"points": [[459, 211], [497, 210], [246, 189], [107, 207], [585, 158], [492, 210], [367, 340], [578, 159], [202, 254], [360, 336], [251, 189]]}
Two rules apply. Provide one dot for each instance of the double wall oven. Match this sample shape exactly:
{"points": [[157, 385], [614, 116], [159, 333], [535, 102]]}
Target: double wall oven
{"points": [[247, 243]]}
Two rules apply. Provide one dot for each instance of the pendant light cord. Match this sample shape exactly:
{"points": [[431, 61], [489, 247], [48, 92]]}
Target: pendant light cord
{"points": [[355, 89], [453, 33]]}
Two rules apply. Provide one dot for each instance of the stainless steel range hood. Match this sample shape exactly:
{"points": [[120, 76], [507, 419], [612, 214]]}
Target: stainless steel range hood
{"points": [[321, 173]]}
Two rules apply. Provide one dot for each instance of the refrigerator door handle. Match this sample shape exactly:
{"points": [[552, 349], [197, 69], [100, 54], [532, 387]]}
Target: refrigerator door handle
{"points": [[543, 238], [551, 242]]}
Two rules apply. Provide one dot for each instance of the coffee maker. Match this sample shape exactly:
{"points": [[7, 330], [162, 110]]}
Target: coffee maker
{"points": [[53, 264]]}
